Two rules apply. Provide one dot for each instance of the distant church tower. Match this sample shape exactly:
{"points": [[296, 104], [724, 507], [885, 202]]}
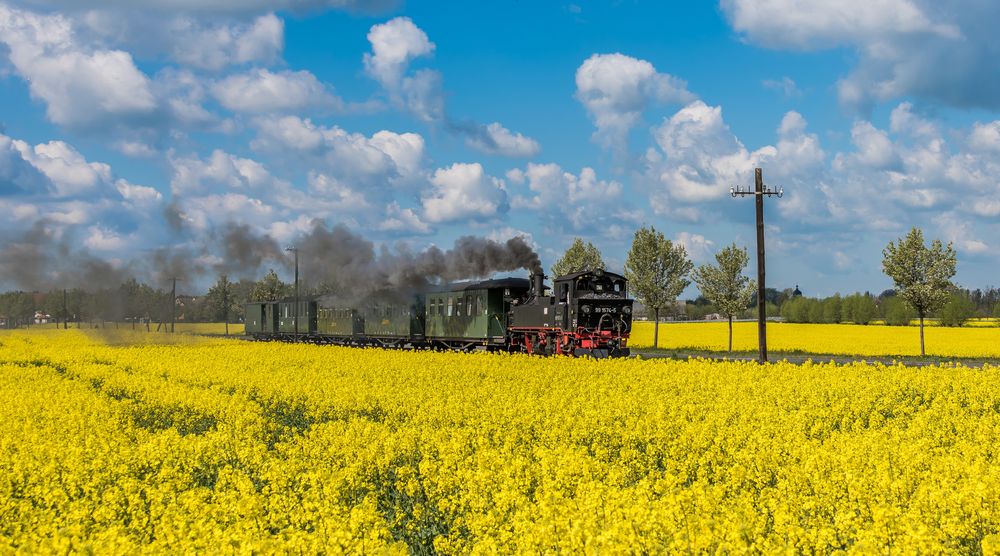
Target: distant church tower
{"points": [[797, 292]]}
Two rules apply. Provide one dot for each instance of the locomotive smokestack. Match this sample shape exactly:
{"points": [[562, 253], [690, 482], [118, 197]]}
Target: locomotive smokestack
{"points": [[537, 283]]}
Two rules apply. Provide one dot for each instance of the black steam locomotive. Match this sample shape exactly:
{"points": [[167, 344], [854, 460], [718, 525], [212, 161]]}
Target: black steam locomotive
{"points": [[585, 313]]}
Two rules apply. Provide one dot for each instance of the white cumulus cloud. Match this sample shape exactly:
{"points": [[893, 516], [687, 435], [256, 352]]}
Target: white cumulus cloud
{"points": [[697, 246], [566, 201], [69, 171], [193, 43], [615, 89], [263, 91], [928, 50], [395, 44], [496, 139], [464, 192], [81, 86], [386, 158]]}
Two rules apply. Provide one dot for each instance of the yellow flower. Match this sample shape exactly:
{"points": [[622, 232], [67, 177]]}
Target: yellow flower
{"points": [[127, 442]]}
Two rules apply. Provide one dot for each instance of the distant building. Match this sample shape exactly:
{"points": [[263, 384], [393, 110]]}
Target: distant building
{"points": [[797, 292], [713, 316], [42, 317]]}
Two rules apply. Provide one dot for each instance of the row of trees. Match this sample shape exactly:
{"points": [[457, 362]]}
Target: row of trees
{"points": [[892, 309], [127, 301], [659, 270]]}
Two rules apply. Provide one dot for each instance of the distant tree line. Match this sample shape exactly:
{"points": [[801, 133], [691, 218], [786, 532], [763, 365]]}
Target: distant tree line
{"points": [[960, 306], [137, 302]]}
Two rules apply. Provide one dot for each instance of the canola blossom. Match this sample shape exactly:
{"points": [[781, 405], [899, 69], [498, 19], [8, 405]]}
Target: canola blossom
{"points": [[833, 339], [207, 328], [114, 444]]}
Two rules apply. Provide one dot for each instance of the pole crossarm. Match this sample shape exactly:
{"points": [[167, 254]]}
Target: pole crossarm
{"points": [[738, 191], [759, 192]]}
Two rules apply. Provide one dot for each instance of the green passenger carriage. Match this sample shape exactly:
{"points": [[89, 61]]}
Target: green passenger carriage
{"points": [[287, 316], [472, 314], [332, 320]]}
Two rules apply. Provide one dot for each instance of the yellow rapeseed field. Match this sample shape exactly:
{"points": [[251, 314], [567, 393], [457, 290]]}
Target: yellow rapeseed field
{"points": [[213, 328], [834, 339], [114, 445]]}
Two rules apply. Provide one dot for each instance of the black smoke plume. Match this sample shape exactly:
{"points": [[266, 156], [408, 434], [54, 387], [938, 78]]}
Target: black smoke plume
{"points": [[174, 217], [40, 259], [169, 263], [331, 261], [339, 262], [244, 251]]}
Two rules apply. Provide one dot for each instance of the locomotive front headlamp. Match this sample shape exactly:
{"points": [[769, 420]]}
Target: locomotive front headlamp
{"points": [[585, 309], [627, 310]]}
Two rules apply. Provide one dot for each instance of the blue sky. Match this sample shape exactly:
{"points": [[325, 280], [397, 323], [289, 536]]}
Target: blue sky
{"points": [[421, 122]]}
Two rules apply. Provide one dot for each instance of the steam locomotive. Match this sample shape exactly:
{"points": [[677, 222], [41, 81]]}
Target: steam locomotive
{"points": [[585, 313]]}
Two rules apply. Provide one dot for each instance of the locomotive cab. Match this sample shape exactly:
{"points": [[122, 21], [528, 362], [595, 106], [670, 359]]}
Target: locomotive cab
{"points": [[584, 313], [597, 301]]}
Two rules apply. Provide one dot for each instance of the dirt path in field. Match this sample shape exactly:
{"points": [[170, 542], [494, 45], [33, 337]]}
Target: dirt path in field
{"points": [[801, 358]]}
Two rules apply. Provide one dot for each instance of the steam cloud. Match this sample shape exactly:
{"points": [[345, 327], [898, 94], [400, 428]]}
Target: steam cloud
{"points": [[331, 260]]}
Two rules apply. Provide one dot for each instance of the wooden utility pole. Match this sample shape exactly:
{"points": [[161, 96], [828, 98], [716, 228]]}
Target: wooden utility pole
{"points": [[173, 303], [65, 311], [759, 192], [296, 322]]}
